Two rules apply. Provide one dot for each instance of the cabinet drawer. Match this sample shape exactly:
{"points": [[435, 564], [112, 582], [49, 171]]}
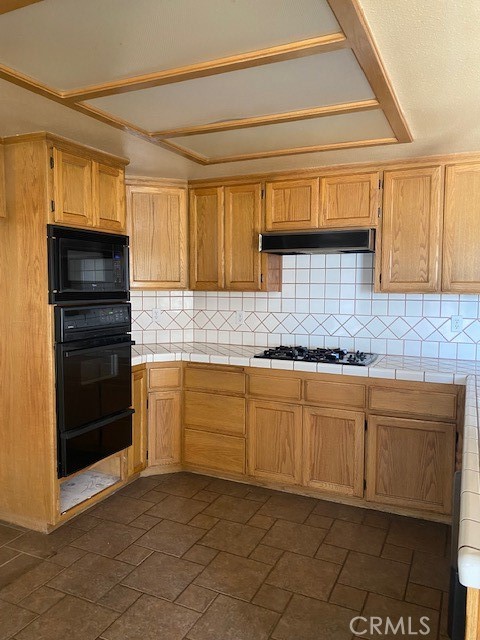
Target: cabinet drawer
{"points": [[275, 387], [214, 451], [224, 414], [339, 394], [164, 377], [420, 402], [215, 380]]}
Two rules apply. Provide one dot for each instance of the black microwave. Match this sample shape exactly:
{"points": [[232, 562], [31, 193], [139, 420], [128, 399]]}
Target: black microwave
{"points": [[86, 266]]}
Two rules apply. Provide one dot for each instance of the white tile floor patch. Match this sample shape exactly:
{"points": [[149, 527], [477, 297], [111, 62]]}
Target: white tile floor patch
{"points": [[84, 486]]}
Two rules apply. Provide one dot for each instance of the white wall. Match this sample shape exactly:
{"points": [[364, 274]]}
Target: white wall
{"points": [[325, 301]]}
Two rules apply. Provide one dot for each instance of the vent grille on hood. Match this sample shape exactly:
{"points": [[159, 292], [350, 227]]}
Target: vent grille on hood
{"points": [[345, 241]]}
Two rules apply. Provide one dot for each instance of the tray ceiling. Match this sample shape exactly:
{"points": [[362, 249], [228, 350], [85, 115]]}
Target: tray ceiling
{"points": [[213, 80]]}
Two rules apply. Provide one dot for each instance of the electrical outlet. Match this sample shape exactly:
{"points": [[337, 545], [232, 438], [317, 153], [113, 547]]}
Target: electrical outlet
{"points": [[157, 315], [456, 324], [239, 318]]}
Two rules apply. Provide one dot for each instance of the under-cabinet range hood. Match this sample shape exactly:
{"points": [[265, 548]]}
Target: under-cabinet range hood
{"points": [[342, 241]]}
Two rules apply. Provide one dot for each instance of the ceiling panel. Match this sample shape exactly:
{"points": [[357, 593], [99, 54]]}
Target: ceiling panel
{"points": [[111, 39], [274, 88], [304, 133]]}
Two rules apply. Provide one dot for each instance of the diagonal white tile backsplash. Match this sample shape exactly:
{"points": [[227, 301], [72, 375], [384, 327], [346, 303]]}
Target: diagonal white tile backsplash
{"points": [[325, 301]]}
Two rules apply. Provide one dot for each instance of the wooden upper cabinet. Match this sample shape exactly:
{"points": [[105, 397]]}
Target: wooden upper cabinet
{"points": [[275, 441], [243, 222], [410, 463], [350, 200], [411, 230], [461, 257], [157, 226], [109, 197], [73, 189], [333, 450], [207, 246], [292, 204], [3, 199]]}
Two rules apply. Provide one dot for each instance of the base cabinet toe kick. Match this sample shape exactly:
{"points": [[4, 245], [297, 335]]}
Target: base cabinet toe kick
{"points": [[389, 445]]}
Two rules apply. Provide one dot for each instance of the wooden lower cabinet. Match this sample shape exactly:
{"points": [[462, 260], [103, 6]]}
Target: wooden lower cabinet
{"points": [[216, 451], [165, 425], [410, 463], [137, 453], [333, 450], [274, 435]]}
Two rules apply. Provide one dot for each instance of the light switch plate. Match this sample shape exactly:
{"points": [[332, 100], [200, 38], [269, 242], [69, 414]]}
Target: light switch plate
{"points": [[157, 315], [239, 318], [456, 324]]}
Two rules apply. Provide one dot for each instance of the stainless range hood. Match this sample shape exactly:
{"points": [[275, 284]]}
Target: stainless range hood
{"points": [[344, 241]]}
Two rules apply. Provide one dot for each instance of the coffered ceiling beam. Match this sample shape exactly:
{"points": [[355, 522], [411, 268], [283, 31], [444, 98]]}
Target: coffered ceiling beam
{"points": [[290, 51], [276, 118], [355, 27]]}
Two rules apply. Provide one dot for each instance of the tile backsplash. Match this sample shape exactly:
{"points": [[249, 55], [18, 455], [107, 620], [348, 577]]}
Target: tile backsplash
{"points": [[326, 300]]}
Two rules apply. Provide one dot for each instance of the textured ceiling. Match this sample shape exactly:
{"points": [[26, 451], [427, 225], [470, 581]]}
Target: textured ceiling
{"points": [[430, 49]]}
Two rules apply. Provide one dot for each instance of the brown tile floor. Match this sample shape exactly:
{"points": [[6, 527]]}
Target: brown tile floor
{"points": [[188, 556]]}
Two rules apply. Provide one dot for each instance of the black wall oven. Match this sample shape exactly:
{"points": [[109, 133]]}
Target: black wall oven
{"points": [[93, 373], [86, 266]]}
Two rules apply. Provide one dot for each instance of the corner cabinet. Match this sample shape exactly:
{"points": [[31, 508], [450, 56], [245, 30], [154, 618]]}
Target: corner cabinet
{"points": [[157, 222], [137, 453], [88, 191], [411, 230], [225, 223], [461, 257]]}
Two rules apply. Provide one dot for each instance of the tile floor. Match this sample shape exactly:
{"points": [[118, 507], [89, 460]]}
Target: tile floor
{"points": [[189, 556]]}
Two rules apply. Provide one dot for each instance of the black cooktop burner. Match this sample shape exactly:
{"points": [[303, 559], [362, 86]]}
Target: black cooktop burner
{"points": [[337, 356]]}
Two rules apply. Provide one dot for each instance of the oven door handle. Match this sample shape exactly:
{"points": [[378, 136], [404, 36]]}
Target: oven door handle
{"points": [[73, 433], [94, 350]]}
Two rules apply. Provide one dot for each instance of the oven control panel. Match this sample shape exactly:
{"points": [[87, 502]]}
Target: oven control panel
{"points": [[74, 323]]}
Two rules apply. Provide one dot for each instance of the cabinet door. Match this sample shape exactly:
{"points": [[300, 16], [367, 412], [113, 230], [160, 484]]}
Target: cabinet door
{"points": [[243, 223], [350, 201], [461, 257], [164, 427], [275, 441], [333, 450], [73, 189], [157, 226], [109, 197], [206, 239], [137, 453], [3, 202], [411, 230], [292, 204], [410, 463]]}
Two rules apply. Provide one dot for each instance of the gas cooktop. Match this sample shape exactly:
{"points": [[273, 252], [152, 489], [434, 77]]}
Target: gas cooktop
{"points": [[336, 356]]}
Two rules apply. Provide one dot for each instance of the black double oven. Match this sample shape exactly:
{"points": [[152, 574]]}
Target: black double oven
{"points": [[88, 284]]}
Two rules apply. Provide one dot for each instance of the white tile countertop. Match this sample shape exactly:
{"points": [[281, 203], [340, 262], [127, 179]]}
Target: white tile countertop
{"points": [[392, 367]]}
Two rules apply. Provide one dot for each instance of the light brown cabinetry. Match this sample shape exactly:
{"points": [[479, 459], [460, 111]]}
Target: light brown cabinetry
{"points": [[292, 204], [410, 463], [164, 414], [461, 257], [3, 198], [275, 441], [137, 453], [225, 223], [214, 419], [87, 193], [333, 450], [350, 200], [157, 226], [411, 230]]}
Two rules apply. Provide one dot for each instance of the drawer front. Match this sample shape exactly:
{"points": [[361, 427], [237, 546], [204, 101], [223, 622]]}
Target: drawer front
{"points": [[428, 404], [339, 394], [223, 414], [214, 451], [215, 380], [164, 377], [275, 387]]}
